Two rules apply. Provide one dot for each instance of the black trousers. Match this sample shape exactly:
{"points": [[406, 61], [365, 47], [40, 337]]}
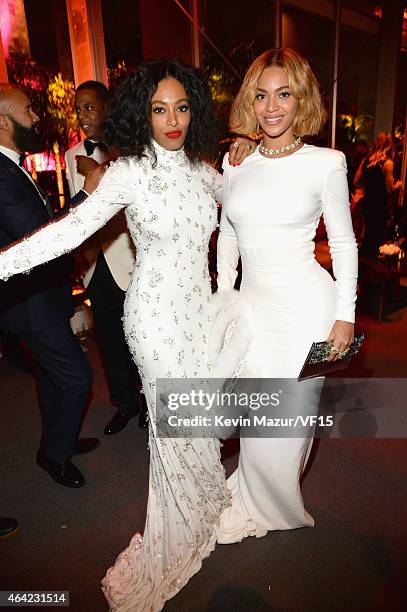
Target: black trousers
{"points": [[107, 305], [64, 378]]}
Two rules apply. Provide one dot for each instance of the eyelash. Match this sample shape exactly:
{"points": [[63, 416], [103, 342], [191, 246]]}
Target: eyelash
{"points": [[159, 109], [284, 95]]}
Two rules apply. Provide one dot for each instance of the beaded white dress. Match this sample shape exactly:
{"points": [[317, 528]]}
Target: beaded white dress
{"points": [[270, 214], [171, 214]]}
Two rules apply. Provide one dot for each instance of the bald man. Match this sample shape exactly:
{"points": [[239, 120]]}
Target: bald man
{"points": [[37, 308]]}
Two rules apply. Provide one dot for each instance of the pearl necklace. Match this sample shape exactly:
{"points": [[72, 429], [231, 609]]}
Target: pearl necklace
{"points": [[289, 147]]}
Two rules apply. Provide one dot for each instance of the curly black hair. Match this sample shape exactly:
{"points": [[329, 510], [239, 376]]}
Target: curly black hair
{"points": [[127, 128]]}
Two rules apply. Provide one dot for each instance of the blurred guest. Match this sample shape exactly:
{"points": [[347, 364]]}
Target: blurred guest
{"points": [[107, 261], [37, 308], [375, 175], [356, 153]]}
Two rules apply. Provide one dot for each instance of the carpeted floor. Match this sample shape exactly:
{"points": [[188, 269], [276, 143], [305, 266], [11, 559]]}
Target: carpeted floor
{"points": [[356, 489]]}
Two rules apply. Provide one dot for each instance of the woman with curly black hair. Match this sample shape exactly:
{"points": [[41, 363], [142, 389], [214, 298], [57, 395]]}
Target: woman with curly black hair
{"points": [[129, 129], [162, 126]]}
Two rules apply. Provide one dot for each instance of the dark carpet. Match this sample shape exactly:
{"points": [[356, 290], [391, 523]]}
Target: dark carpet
{"points": [[356, 489]]}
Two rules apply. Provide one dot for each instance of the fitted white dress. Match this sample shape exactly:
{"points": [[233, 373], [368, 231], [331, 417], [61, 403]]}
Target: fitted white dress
{"points": [[171, 214], [271, 210]]}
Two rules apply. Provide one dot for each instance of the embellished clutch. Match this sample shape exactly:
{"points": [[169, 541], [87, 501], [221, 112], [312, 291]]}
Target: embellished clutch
{"points": [[316, 363]]}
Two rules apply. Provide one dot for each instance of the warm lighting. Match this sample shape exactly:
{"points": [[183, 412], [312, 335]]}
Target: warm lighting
{"points": [[78, 290], [378, 11], [13, 27], [40, 162], [404, 33], [58, 171]]}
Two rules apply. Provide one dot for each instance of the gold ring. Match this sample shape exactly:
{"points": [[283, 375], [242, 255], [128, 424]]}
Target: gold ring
{"points": [[334, 350]]}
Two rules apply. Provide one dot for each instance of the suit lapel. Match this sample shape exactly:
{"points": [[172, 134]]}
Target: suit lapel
{"points": [[27, 186], [48, 204]]}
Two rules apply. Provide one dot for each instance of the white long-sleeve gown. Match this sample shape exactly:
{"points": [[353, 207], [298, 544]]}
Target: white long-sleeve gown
{"points": [[270, 213], [171, 214]]}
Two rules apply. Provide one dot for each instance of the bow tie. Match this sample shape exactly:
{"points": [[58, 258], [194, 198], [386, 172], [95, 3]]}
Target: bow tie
{"points": [[90, 146]]}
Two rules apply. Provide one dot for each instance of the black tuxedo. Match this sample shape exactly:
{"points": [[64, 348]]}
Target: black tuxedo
{"points": [[43, 297], [37, 308]]}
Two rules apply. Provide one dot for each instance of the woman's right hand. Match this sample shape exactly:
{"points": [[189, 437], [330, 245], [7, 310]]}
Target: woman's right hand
{"points": [[93, 178], [85, 164]]}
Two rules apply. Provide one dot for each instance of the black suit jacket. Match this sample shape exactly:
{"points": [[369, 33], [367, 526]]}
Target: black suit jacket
{"points": [[42, 298]]}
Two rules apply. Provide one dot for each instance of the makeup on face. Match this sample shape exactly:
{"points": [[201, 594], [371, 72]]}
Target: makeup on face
{"points": [[170, 114], [275, 107]]}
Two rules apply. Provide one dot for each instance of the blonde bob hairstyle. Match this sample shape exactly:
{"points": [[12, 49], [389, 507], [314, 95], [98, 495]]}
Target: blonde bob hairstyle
{"points": [[303, 84]]}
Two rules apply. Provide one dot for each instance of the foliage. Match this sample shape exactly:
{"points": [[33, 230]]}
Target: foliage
{"points": [[61, 99], [51, 96], [357, 127], [116, 74]]}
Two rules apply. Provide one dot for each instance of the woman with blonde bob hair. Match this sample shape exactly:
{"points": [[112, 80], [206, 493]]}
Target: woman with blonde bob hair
{"points": [[311, 114], [272, 204]]}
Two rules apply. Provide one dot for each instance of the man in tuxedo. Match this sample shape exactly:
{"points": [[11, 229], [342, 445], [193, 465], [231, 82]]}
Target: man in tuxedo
{"points": [[108, 261], [37, 308]]}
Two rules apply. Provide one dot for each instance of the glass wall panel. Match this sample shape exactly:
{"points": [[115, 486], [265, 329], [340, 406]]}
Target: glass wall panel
{"points": [[358, 63], [312, 36], [121, 26], [241, 34]]}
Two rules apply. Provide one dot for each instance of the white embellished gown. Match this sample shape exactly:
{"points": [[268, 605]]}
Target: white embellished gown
{"points": [[171, 214], [271, 210]]}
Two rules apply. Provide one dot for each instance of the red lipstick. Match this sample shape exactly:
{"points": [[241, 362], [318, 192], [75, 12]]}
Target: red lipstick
{"points": [[174, 135]]}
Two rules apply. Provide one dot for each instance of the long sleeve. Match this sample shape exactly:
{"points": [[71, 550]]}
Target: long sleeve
{"points": [[227, 250], [68, 232], [341, 238]]}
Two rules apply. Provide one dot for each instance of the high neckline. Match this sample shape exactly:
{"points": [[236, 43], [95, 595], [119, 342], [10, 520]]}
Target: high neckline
{"points": [[178, 154]]}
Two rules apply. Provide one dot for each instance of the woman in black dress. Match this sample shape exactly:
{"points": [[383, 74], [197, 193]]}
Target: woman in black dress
{"points": [[375, 175]]}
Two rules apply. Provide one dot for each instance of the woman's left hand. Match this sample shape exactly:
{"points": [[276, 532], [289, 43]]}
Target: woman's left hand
{"points": [[341, 336], [240, 149]]}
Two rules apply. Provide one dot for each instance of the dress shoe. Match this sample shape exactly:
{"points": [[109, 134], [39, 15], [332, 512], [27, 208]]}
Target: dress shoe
{"points": [[63, 472], [85, 445], [8, 527], [118, 423]]}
